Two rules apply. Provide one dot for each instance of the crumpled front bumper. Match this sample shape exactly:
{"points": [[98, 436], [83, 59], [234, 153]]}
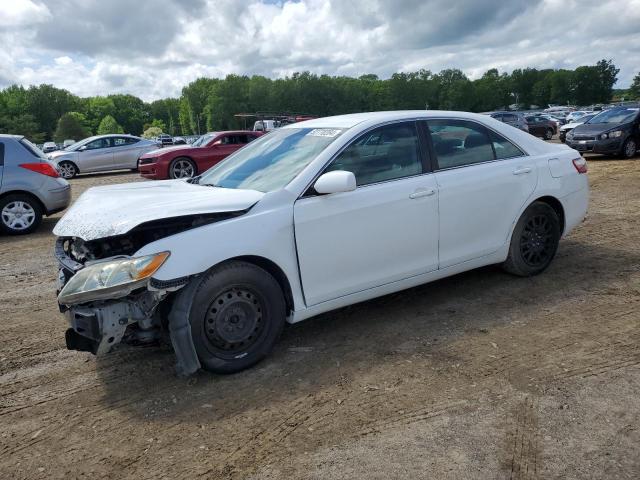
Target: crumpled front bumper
{"points": [[97, 328]]}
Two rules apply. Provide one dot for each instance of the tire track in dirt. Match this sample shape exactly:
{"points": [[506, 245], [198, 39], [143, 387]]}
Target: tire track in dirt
{"points": [[523, 439]]}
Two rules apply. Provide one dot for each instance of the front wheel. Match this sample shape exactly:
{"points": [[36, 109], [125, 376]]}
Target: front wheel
{"points": [[237, 314], [182, 167], [548, 134], [19, 214], [534, 242], [629, 148], [67, 170]]}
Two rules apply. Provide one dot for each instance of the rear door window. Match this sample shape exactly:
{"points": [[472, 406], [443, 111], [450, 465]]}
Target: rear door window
{"points": [[460, 142]]}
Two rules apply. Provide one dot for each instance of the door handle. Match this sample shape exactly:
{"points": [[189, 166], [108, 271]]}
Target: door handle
{"points": [[522, 170], [422, 192]]}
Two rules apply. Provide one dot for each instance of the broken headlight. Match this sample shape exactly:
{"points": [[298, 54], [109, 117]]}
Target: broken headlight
{"points": [[110, 279]]}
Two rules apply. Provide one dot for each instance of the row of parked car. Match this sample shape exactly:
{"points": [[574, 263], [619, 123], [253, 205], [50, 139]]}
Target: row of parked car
{"points": [[30, 183], [614, 131]]}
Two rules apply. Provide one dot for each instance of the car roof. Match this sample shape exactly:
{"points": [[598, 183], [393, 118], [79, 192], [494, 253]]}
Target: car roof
{"points": [[353, 119], [8, 135]]}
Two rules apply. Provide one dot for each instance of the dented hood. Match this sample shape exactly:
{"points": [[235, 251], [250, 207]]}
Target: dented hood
{"points": [[115, 209]]}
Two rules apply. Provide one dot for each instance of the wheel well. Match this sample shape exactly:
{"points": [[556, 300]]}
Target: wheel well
{"points": [[557, 207], [29, 194], [277, 273]]}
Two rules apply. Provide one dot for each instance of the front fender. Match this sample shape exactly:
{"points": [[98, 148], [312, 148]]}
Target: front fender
{"points": [[265, 231]]}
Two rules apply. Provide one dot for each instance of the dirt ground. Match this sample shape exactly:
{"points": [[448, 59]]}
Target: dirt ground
{"points": [[482, 375]]}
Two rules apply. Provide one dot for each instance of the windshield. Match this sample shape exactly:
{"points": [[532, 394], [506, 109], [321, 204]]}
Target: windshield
{"points": [[272, 161], [204, 139], [77, 145], [615, 115]]}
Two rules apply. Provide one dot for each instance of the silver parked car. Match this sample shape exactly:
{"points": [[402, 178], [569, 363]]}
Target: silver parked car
{"points": [[30, 186], [101, 153]]}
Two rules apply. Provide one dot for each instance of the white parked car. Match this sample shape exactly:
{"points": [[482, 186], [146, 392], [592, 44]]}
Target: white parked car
{"points": [[49, 147], [312, 217], [101, 153], [573, 116]]}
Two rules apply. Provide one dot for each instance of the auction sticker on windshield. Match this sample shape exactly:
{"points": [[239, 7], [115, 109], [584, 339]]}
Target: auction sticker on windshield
{"points": [[324, 132]]}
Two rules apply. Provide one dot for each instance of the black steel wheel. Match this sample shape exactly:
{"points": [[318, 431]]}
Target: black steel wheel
{"points": [[535, 241], [237, 314]]}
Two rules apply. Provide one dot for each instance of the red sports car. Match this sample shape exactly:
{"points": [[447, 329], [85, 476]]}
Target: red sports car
{"points": [[186, 161]]}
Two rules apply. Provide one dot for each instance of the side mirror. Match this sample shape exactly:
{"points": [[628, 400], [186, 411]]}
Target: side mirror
{"points": [[335, 182], [82, 148]]}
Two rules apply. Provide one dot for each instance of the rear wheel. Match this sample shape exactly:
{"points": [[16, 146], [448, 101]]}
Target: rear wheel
{"points": [[237, 315], [534, 242], [182, 167], [629, 148], [19, 214], [548, 134], [67, 170]]}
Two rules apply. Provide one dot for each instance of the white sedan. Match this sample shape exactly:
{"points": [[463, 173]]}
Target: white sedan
{"points": [[312, 217]]}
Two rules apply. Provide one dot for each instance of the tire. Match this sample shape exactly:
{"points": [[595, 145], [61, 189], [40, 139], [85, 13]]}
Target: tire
{"points": [[19, 214], [67, 169], [182, 167], [534, 242], [548, 134], [629, 148], [237, 315]]}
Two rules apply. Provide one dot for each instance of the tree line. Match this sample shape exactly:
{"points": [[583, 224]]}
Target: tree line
{"points": [[45, 112]]}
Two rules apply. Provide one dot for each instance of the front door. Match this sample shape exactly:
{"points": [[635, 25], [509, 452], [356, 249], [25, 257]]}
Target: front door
{"points": [[483, 183], [97, 156], [384, 231]]}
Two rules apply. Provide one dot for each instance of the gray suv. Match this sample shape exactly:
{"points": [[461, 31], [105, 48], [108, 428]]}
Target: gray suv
{"points": [[515, 119], [30, 186]]}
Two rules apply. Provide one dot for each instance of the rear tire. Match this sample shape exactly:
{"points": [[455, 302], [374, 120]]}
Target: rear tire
{"points": [[534, 242], [19, 214], [237, 315], [548, 134]]}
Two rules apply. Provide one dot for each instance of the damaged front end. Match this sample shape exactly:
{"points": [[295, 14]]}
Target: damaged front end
{"points": [[108, 295]]}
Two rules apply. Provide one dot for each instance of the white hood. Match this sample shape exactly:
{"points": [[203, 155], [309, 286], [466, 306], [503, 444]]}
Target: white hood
{"points": [[115, 209]]}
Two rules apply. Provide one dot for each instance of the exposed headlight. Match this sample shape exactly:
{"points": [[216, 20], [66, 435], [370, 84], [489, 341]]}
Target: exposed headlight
{"points": [[110, 279], [615, 134], [604, 136], [570, 134]]}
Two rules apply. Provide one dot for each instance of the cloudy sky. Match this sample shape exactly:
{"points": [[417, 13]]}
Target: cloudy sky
{"points": [[152, 48]]}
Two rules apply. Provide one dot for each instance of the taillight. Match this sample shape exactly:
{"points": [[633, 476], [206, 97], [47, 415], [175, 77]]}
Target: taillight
{"points": [[42, 168], [580, 164]]}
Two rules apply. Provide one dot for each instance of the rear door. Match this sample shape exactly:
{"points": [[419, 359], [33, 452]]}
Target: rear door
{"points": [[125, 152], [97, 156], [483, 182]]}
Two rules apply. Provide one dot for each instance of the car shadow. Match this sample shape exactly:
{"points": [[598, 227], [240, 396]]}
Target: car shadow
{"points": [[320, 352]]}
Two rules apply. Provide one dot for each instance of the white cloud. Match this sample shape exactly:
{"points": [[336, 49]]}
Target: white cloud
{"points": [[153, 48]]}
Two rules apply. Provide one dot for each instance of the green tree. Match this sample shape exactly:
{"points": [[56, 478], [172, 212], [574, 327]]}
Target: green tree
{"points": [[109, 125], [152, 132], [634, 90], [71, 126], [97, 109]]}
